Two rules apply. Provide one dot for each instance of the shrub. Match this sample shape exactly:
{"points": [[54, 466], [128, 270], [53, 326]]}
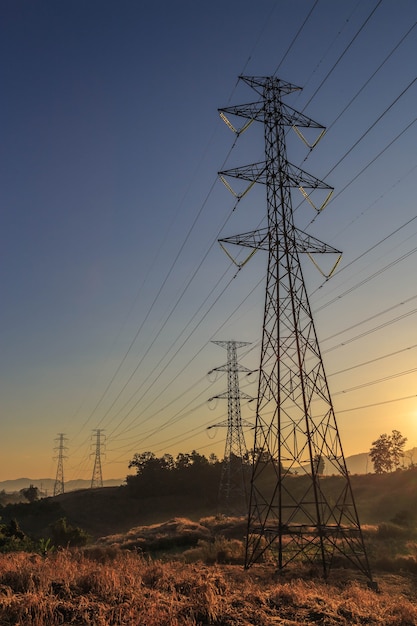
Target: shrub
{"points": [[220, 550], [65, 535], [388, 530]]}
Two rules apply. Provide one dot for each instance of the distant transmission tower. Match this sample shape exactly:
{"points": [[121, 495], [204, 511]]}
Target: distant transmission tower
{"points": [[59, 480], [97, 478], [232, 490], [294, 511]]}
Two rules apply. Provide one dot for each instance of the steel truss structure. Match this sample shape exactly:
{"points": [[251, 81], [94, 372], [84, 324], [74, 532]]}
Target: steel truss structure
{"points": [[232, 499], [59, 480], [295, 512], [97, 477]]}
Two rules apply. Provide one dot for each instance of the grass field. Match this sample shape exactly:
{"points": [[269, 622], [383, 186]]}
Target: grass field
{"points": [[184, 573], [170, 562], [123, 588]]}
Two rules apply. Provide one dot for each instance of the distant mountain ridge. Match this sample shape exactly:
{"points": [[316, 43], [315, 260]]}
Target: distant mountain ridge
{"points": [[46, 485]]}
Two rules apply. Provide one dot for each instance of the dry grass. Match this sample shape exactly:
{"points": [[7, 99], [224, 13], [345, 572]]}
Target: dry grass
{"points": [[201, 582], [105, 588], [175, 533]]}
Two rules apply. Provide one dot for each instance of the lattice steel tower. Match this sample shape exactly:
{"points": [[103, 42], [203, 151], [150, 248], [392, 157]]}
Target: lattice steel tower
{"points": [[233, 479], [295, 513], [97, 478], [59, 480]]}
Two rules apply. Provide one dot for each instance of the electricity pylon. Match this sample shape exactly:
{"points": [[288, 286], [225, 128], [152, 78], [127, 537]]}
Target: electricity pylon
{"points": [[295, 513], [232, 498], [59, 480], [97, 478]]}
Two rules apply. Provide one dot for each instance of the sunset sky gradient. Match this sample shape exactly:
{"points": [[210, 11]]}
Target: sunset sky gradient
{"points": [[113, 283]]}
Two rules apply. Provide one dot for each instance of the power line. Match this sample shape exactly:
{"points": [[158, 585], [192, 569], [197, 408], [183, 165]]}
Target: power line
{"points": [[112, 379], [368, 319], [371, 330], [360, 138], [294, 39], [237, 307], [363, 322], [373, 203], [372, 361], [380, 66], [343, 54], [345, 22], [368, 279], [379, 118], [171, 359], [368, 406], [376, 381], [217, 331], [372, 161]]}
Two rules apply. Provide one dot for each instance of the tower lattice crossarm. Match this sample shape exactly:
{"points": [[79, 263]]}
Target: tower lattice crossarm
{"points": [[232, 497], [294, 510]]}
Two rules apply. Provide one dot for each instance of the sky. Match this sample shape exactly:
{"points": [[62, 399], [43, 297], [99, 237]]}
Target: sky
{"points": [[113, 283]]}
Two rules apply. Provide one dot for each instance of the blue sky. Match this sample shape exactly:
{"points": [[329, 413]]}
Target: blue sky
{"points": [[113, 284]]}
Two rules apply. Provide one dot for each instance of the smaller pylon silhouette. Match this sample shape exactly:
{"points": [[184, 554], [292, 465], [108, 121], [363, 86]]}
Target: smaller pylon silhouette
{"points": [[232, 499], [97, 478], [60, 448]]}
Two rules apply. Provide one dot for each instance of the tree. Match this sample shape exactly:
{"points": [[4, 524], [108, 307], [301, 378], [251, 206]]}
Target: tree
{"points": [[167, 462], [183, 461], [198, 460], [190, 474], [387, 451], [30, 493], [397, 447], [143, 460], [380, 454]]}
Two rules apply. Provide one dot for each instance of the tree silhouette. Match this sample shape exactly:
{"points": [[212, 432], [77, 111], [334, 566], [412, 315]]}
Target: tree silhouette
{"points": [[397, 447], [30, 493], [387, 451]]}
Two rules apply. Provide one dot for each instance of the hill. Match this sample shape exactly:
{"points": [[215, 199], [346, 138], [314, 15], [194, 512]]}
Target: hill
{"points": [[362, 464], [46, 485], [356, 464], [110, 510]]}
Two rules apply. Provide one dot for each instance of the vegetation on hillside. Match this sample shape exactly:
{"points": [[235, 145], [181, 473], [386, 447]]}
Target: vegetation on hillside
{"points": [[11, 498], [166, 569], [167, 475], [159, 493], [59, 534]]}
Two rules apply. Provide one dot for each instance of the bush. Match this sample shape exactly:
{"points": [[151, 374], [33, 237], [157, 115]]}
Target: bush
{"points": [[388, 530], [12, 539], [220, 551], [65, 535]]}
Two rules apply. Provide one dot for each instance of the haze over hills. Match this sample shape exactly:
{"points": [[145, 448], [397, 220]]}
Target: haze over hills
{"points": [[46, 485], [356, 464]]}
